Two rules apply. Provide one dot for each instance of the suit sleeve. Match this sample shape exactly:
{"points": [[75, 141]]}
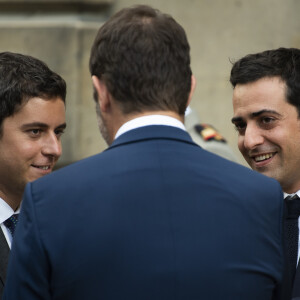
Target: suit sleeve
{"points": [[28, 268]]}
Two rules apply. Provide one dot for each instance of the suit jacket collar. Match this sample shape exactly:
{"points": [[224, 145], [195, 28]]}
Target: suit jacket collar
{"points": [[153, 132]]}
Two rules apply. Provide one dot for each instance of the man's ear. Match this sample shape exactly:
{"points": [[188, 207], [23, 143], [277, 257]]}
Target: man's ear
{"points": [[103, 94], [193, 86]]}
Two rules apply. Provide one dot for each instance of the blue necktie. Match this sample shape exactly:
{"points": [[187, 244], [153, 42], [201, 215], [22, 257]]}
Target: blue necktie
{"points": [[11, 223]]}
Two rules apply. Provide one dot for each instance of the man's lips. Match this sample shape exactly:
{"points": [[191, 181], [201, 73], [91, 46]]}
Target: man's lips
{"points": [[44, 167], [262, 157]]}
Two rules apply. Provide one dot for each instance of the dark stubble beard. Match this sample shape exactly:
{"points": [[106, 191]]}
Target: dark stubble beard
{"points": [[102, 126], [101, 122]]}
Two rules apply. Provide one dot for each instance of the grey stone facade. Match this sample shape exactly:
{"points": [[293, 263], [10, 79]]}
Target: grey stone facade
{"points": [[61, 32]]}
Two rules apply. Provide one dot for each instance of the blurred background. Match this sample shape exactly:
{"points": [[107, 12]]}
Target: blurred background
{"points": [[61, 32]]}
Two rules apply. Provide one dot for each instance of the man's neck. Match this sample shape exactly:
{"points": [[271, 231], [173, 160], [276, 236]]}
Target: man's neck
{"points": [[150, 118], [12, 199], [290, 189]]}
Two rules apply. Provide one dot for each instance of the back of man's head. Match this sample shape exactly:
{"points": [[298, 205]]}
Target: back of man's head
{"points": [[23, 77], [282, 62], [143, 58]]}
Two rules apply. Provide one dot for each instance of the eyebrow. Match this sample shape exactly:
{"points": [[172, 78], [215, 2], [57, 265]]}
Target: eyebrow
{"points": [[236, 119], [274, 112], [256, 114], [41, 125]]}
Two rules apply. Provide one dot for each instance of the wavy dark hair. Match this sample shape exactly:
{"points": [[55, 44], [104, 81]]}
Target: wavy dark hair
{"points": [[23, 77], [143, 57], [281, 62]]}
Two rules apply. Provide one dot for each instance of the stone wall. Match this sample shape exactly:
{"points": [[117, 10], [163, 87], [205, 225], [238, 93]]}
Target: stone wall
{"points": [[61, 32]]}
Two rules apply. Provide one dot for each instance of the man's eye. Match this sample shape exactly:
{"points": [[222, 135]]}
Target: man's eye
{"points": [[240, 126], [35, 131], [59, 132], [267, 120]]}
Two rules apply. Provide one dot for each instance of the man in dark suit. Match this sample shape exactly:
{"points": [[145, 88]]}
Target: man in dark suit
{"points": [[32, 119], [154, 216], [266, 102]]}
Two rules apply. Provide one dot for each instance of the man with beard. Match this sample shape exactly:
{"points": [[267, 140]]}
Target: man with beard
{"points": [[154, 216], [32, 120], [266, 102]]}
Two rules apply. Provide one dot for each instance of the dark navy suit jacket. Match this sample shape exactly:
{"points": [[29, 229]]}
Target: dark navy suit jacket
{"points": [[4, 254], [296, 288], [152, 217]]}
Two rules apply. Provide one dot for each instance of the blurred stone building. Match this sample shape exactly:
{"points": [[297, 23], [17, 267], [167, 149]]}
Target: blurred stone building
{"points": [[61, 32]]}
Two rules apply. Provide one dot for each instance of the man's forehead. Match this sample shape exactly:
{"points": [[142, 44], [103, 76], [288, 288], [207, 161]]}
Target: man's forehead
{"points": [[261, 86], [28, 100], [267, 95], [38, 110]]}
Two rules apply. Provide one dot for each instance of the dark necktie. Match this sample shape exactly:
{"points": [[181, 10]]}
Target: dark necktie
{"points": [[11, 223], [292, 231]]}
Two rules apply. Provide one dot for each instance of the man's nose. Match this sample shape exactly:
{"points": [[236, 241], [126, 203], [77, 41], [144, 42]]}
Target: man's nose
{"points": [[253, 137], [52, 146]]}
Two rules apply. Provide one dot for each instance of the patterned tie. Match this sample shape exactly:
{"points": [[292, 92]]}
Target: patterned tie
{"points": [[291, 230], [11, 223]]}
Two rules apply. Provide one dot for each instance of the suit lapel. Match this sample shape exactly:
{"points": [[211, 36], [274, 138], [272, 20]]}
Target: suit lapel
{"points": [[4, 253], [296, 288]]}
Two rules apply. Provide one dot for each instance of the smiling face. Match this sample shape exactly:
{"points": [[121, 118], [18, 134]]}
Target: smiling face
{"points": [[269, 130], [30, 145]]}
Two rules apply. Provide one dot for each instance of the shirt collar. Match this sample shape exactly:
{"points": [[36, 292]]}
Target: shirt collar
{"points": [[286, 195], [148, 121], [6, 211]]}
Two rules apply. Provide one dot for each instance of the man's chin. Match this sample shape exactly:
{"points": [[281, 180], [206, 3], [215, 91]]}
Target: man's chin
{"points": [[37, 176], [267, 171]]}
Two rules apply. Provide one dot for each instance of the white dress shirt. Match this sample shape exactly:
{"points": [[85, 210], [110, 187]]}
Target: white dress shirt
{"points": [[147, 121], [6, 212], [285, 195]]}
